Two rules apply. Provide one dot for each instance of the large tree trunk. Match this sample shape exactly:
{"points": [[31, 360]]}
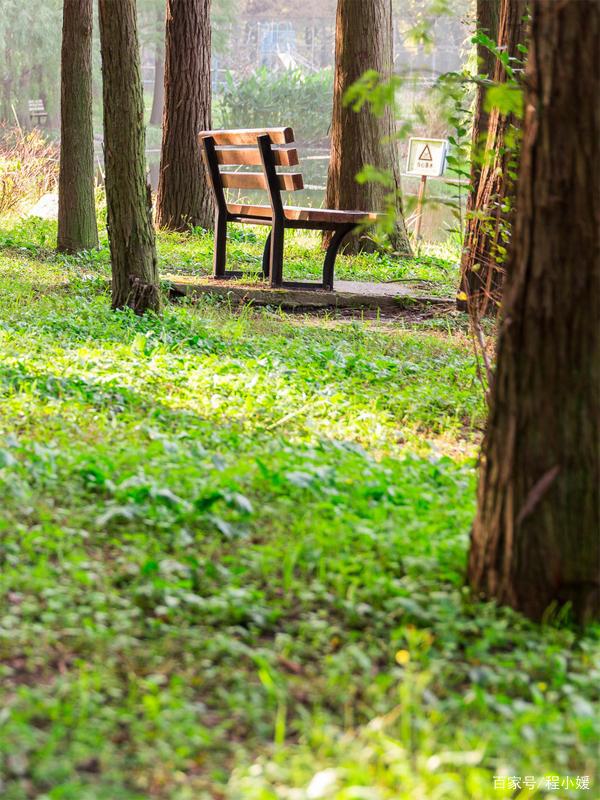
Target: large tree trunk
{"points": [[76, 207], [363, 40], [184, 197], [535, 538], [481, 270], [128, 198], [158, 95]]}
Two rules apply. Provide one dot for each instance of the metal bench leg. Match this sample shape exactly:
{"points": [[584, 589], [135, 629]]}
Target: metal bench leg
{"points": [[330, 255], [276, 259], [220, 256], [266, 256]]}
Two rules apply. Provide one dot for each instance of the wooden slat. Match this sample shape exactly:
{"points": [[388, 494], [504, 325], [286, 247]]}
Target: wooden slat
{"points": [[304, 214], [328, 215], [247, 210], [250, 135], [244, 180], [291, 181], [253, 220], [285, 156], [256, 180]]}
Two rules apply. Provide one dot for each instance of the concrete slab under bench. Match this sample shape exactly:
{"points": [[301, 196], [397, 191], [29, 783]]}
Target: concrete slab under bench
{"points": [[386, 297]]}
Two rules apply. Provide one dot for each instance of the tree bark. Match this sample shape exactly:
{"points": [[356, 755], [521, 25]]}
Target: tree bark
{"points": [[363, 40], [535, 540], [158, 95], [77, 228], [488, 17], [128, 197], [7, 78], [487, 215], [184, 197]]}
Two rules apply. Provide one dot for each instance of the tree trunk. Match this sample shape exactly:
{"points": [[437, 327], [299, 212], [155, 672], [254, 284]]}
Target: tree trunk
{"points": [[158, 96], [487, 12], [535, 538], [487, 217], [7, 80], [128, 198], [363, 40], [76, 206], [184, 197]]}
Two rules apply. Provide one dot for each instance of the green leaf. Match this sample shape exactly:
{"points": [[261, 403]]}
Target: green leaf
{"points": [[506, 97]]}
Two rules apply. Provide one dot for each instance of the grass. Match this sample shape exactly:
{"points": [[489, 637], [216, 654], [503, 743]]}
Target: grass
{"points": [[190, 254], [232, 549]]}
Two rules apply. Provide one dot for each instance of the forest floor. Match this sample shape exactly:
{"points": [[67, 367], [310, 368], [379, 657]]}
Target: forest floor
{"points": [[232, 554]]}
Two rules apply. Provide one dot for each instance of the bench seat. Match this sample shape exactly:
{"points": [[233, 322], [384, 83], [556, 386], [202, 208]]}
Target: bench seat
{"points": [[303, 214]]}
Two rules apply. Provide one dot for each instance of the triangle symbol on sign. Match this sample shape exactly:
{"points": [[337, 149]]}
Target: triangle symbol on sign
{"points": [[425, 154]]}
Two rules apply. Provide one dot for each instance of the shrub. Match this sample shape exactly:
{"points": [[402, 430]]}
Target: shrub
{"points": [[274, 99], [29, 167]]}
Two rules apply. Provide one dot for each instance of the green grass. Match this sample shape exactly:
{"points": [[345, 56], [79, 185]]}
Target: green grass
{"points": [[190, 254], [232, 549]]}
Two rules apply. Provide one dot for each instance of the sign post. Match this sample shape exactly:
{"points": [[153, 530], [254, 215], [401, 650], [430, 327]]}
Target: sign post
{"points": [[426, 157], [420, 197]]}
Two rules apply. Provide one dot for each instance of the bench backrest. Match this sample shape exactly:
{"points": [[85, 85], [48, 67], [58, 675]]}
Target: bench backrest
{"points": [[36, 107], [269, 148]]}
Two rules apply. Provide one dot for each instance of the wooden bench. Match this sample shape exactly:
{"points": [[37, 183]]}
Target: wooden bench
{"points": [[269, 149], [37, 112]]}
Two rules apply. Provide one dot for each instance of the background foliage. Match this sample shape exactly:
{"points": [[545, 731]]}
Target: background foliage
{"points": [[291, 97]]}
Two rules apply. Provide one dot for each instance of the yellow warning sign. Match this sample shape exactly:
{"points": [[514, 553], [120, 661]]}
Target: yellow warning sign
{"points": [[426, 154]]}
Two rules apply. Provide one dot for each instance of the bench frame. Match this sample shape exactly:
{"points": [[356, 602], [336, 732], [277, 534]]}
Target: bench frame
{"points": [[272, 260], [37, 112]]}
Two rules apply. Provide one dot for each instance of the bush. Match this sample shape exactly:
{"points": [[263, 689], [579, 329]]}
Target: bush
{"points": [[28, 168], [275, 99]]}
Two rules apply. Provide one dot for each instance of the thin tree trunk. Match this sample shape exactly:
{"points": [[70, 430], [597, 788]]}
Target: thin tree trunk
{"points": [[487, 12], [7, 80], [481, 270], [363, 40], [76, 206], [184, 197], [128, 197], [158, 95], [535, 538]]}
